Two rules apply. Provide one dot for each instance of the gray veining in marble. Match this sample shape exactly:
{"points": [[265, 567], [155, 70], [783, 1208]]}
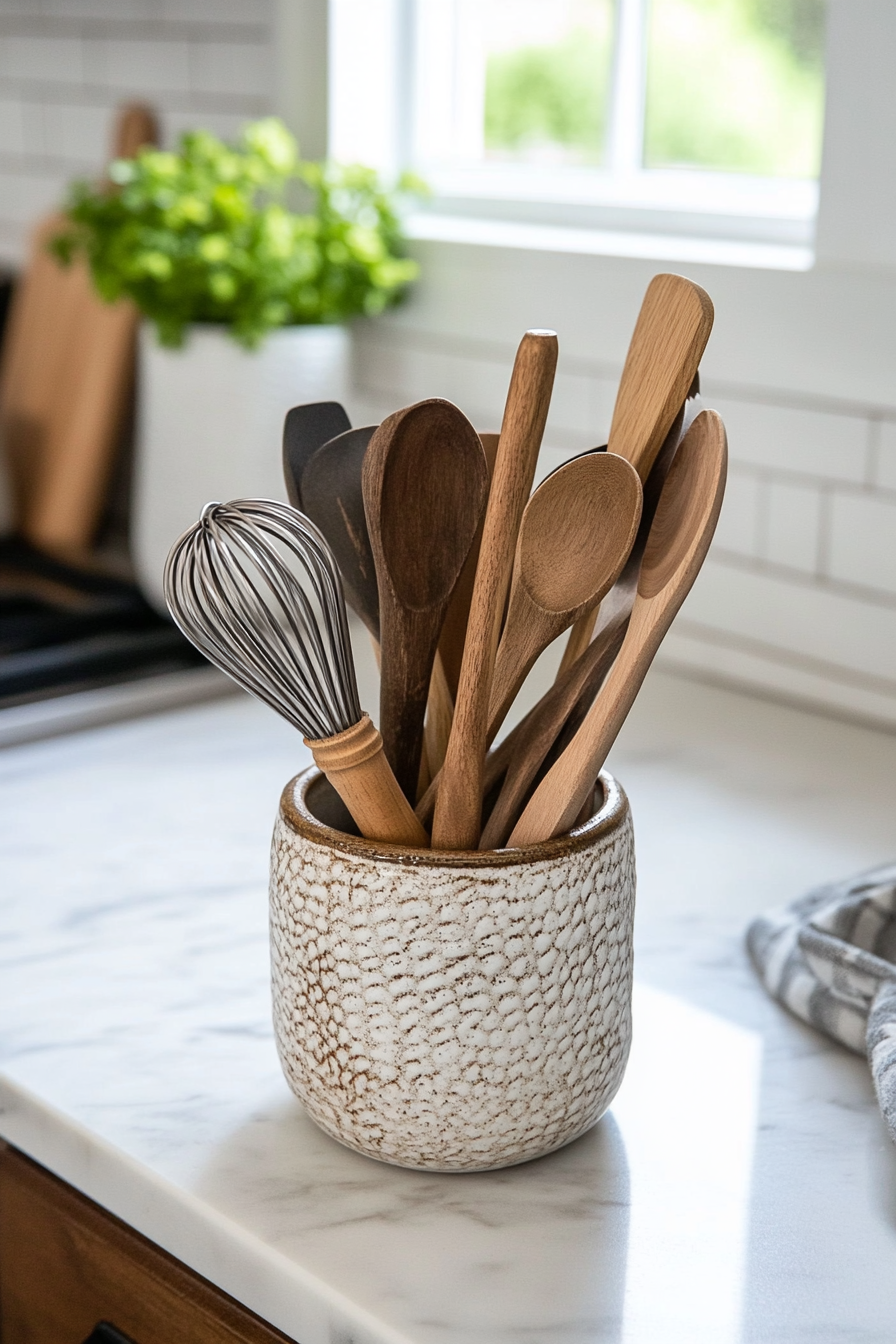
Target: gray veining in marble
{"points": [[741, 1191]]}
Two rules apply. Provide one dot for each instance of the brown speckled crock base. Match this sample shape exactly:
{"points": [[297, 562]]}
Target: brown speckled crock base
{"points": [[452, 1011]]}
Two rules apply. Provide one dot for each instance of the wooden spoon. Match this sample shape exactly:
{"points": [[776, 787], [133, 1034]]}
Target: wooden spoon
{"points": [[425, 483], [667, 345], [333, 499], [676, 548], [575, 536], [458, 808], [305, 429], [536, 738]]}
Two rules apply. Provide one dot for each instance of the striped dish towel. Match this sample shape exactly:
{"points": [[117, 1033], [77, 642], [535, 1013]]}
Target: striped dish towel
{"points": [[830, 957]]}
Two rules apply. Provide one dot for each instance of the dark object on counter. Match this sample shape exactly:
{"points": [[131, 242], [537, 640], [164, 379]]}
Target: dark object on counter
{"points": [[104, 1333], [65, 629], [830, 957]]}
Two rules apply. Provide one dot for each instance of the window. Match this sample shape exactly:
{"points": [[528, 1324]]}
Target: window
{"points": [[690, 117]]}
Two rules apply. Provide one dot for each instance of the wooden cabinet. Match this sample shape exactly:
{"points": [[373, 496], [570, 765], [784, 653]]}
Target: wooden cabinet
{"points": [[66, 1266]]}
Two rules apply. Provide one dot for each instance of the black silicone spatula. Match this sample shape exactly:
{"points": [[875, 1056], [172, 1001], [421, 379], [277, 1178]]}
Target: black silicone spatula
{"points": [[305, 429]]}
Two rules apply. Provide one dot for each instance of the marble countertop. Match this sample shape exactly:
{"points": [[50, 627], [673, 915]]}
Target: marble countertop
{"points": [[742, 1189]]}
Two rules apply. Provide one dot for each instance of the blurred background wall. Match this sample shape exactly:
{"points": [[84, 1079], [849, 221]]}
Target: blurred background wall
{"points": [[799, 596], [65, 65]]}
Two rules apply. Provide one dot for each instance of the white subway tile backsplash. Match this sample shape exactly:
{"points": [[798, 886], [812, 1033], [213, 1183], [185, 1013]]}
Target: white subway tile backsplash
{"points": [[738, 528], [232, 68], [147, 68], [800, 618], [221, 11], [79, 132], [41, 58], [11, 127], [34, 136], [863, 541], [792, 525], [807, 442], [570, 405], [886, 455], [603, 399], [24, 197]]}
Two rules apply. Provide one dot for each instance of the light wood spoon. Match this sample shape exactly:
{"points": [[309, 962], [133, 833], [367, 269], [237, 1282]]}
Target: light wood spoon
{"points": [[425, 484], [665, 350], [575, 537], [560, 711], [458, 809], [676, 548]]}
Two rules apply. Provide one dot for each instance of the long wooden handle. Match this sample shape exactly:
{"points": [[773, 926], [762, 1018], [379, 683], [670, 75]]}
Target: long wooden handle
{"points": [[458, 811], [354, 763], [525, 752], [559, 797]]}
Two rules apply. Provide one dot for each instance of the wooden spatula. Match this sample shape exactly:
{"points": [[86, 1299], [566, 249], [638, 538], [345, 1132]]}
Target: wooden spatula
{"points": [[667, 345]]}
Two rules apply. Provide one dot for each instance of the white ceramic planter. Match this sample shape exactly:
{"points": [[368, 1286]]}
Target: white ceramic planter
{"points": [[451, 1011], [210, 425]]}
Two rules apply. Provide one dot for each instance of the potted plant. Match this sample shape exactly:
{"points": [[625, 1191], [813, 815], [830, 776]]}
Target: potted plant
{"points": [[245, 301]]}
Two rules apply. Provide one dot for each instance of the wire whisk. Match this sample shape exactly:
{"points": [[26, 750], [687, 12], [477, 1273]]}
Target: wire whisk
{"points": [[238, 599], [254, 586]]}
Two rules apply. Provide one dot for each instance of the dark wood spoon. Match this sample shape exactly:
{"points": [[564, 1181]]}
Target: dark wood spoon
{"points": [[425, 481], [305, 429], [333, 499]]}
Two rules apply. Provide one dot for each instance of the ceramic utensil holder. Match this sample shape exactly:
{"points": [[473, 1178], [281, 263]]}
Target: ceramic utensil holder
{"points": [[444, 1010]]}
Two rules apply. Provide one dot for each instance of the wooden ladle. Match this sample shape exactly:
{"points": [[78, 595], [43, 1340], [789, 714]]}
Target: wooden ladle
{"points": [[575, 536], [676, 548], [425, 483]]}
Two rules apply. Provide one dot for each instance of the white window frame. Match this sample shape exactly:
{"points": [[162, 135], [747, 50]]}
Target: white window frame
{"points": [[622, 209]]}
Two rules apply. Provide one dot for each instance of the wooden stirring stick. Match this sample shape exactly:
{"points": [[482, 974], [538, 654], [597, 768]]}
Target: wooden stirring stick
{"points": [[676, 548], [457, 819], [667, 345]]}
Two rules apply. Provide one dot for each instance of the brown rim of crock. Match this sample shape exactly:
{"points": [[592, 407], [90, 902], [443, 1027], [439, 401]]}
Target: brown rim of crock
{"points": [[296, 814]]}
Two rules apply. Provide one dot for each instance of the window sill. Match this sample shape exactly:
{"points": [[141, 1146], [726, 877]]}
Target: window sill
{"points": [[449, 228]]}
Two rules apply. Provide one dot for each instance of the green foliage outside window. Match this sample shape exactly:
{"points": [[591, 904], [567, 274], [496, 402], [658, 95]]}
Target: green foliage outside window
{"points": [[735, 85], [551, 95], [207, 235]]}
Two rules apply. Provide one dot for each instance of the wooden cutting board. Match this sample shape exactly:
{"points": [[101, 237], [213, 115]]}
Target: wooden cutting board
{"points": [[65, 384]]}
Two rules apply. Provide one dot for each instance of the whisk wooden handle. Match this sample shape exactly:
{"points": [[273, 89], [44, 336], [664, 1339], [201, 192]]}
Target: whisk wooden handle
{"points": [[354, 763]]}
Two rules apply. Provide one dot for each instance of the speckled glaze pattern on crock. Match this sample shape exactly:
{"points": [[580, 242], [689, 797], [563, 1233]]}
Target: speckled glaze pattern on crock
{"points": [[447, 1011]]}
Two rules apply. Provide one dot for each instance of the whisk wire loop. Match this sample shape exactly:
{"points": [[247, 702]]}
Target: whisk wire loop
{"points": [[254, 586]]}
